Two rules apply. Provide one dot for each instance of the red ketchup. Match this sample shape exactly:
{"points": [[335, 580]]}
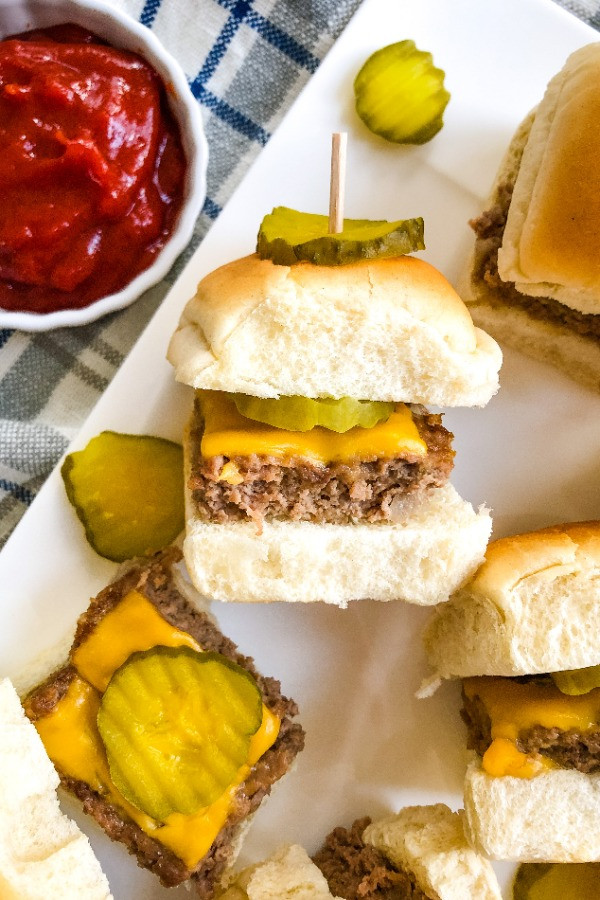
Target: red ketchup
{"points": [[91, 169]]}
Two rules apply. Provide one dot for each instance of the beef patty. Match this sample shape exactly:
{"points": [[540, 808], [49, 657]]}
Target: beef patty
{"points": [[297, 489], [358, 871], [570, 749], [154, 580], [489, 228]]}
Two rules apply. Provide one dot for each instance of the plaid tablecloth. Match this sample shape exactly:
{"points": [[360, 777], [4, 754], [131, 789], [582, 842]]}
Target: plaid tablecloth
{"points": [[246, 61]]}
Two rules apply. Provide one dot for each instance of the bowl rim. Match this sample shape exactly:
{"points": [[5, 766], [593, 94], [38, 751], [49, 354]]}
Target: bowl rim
{"points": [[186, 109]]}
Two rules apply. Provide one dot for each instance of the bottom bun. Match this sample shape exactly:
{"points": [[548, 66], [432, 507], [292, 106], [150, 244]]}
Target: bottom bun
{"points": [[420, 560], [575, 354], [553, 817]]}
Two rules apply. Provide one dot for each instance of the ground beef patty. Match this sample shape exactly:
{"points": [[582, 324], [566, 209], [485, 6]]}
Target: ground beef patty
{"points": [[300, 490], [570, 749], [489, 228], [357, 871], [154, 580]]}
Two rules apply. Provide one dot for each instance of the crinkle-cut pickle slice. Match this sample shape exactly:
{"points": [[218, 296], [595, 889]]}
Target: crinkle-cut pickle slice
{"points": [[557, 881], [287, 236], [304, 413], [176, 725], [577, 681], [127, 489], [400, 94]]}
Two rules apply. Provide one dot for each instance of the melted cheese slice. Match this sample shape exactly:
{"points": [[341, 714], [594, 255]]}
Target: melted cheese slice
{"points": [[71, 738], [134, 624], [228, 433], [514, 707]]}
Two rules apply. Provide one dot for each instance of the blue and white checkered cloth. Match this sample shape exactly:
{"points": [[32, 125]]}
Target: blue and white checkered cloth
{"points": [[246, 61]]}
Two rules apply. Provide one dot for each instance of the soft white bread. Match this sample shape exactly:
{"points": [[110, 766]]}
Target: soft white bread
{"points": [[551, 243], [554, 817], [42, 852], [430, 842], [389, 329], [421, 559], [532, 607], [288, 874]]}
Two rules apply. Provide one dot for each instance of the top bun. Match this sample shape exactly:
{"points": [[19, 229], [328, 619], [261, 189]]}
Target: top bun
{"points": [[533, 606], [551, 243], [386, 329]]}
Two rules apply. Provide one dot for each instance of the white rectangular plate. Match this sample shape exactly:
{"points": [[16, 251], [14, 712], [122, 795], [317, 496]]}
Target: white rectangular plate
{"points": [[531, 455]]}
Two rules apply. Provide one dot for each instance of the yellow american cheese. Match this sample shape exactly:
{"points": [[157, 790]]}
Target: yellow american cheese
{"points": [[515, 706], [503, 757], [134, 624], [228, 433], [71, 738]]}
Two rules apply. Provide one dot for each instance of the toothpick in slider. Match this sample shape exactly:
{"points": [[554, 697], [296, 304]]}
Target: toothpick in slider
{"points": [[338, 181]]}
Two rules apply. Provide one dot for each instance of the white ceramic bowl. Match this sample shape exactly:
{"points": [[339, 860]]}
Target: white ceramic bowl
{"points": [[120, 30]]}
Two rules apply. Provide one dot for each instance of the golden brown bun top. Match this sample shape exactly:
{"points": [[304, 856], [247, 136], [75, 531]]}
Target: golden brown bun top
{"points": [[551, 244], [562, 237], [510, 559]]}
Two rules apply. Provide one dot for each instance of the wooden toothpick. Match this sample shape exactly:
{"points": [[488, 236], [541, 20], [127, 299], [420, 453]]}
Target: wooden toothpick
{"points": [[338, 181]]}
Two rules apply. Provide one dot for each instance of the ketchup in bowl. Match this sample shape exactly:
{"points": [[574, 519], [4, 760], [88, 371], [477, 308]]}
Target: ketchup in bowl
{"points": [[92, 169]]}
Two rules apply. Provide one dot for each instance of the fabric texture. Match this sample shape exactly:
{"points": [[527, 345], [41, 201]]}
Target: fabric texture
{"points": [[246, 61]]}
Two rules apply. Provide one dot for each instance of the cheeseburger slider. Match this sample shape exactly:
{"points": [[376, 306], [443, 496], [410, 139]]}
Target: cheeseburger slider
{"points": [[42, 852], [314, 469], [420, 853], [169, 737], [534, 276], [523, 636]]}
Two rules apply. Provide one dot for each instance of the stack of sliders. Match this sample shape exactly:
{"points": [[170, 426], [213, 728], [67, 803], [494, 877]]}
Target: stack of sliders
{"points": [[42, 852], [314, 470], [420, 853], [533, 279], [523, 636], [169, 737]]}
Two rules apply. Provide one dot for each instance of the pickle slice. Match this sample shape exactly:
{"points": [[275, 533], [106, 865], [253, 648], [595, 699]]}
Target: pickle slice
{"points": [[304, 413], [127, 490], [176, 725], [287, 236], [577, 681], [400, 94], [553, 881]]}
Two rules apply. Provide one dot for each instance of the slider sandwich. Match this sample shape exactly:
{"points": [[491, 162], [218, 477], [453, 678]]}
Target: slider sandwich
{"points": [[533, 279], [314, 469], [420, 853], [523, 636], [42, 852], [168, 736]]}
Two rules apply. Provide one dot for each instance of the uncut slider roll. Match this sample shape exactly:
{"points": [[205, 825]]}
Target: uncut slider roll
{"points": [[420, 853], [165, 732], [314, 470], [533, 279], [523, 636]]}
